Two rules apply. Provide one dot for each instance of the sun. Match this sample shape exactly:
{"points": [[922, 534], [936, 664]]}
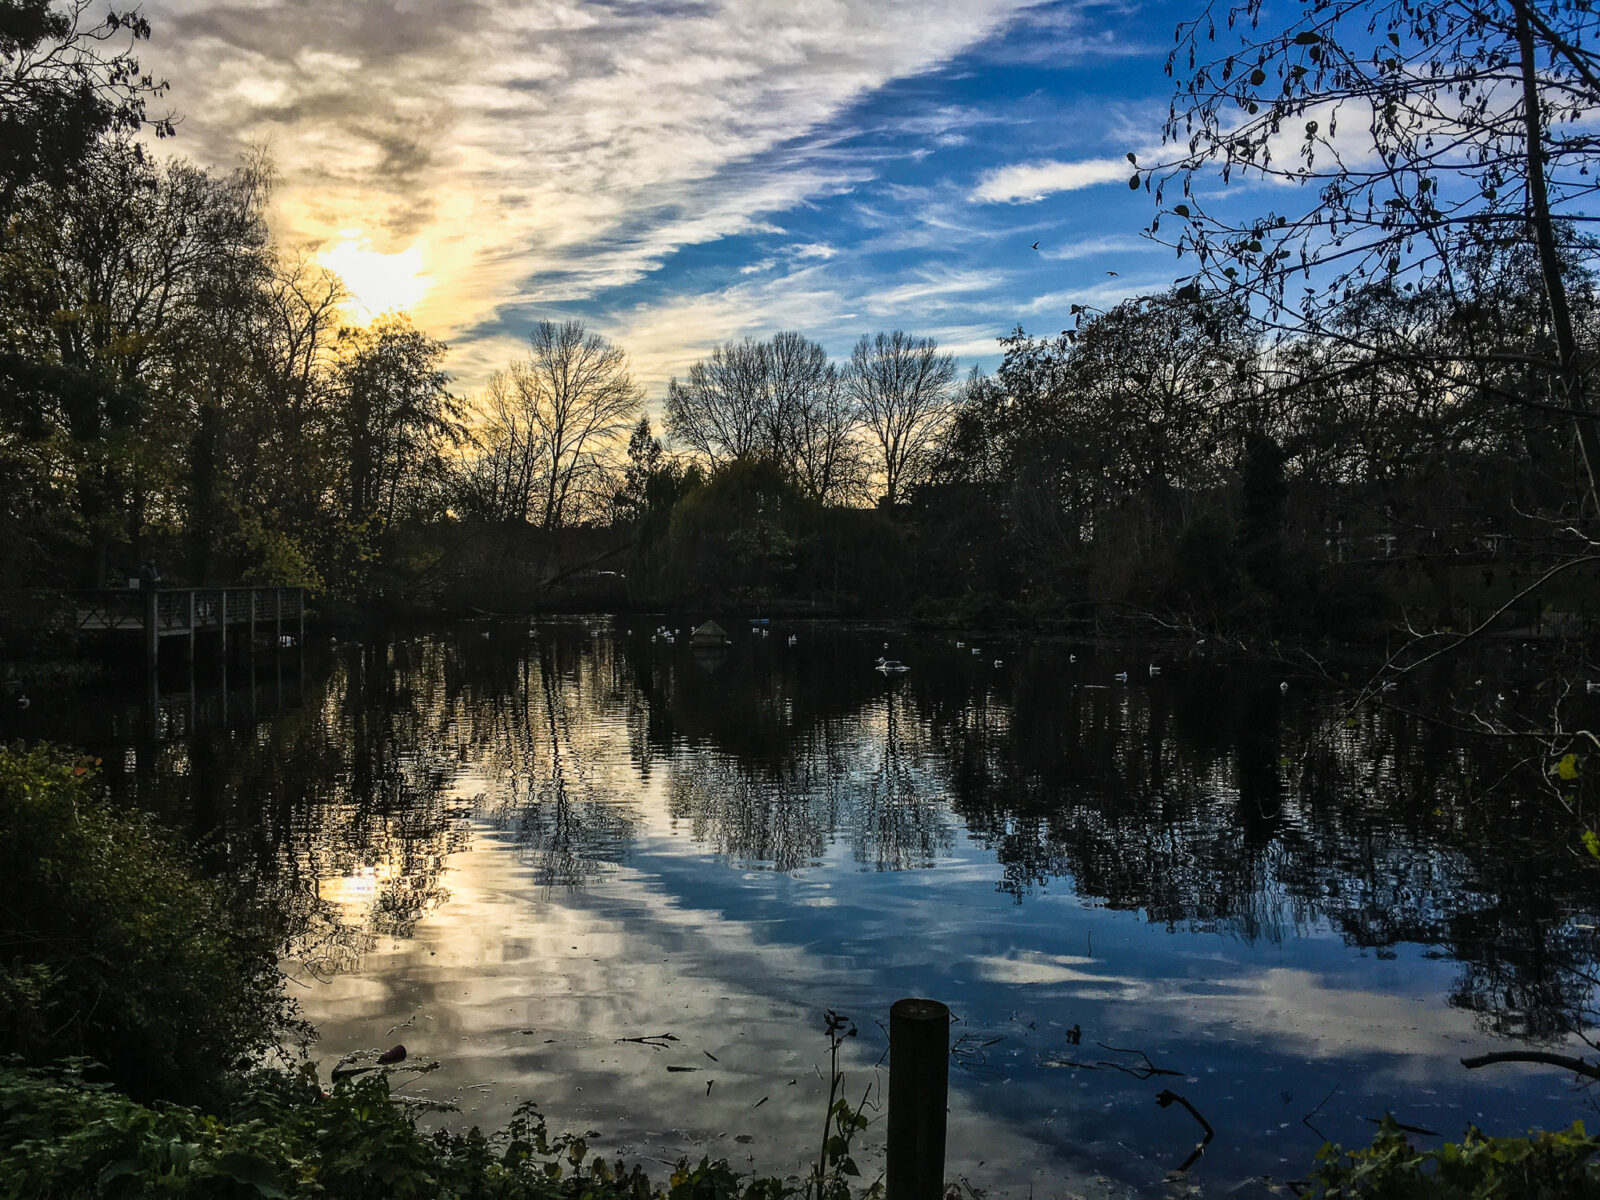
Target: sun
{"points": [[377, 282]]}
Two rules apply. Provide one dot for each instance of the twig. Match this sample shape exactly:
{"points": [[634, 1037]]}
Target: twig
{"points": [[656, 1041], [1306, 1120], [1165, 1098], [1144, 1072]]}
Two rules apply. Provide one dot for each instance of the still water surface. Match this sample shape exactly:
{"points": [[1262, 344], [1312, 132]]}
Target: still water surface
{"points": [[511, 845]]}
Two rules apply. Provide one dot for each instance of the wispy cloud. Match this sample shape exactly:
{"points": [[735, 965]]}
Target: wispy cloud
{"points": [[548, 153], [1027, 183], [1090, 247], [1058, 305]]}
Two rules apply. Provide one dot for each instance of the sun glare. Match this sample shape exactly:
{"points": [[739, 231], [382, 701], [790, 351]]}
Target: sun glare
{"points": [[377, 282]]}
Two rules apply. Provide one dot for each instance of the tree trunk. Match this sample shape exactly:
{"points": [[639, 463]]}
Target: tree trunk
{"points": [[1574, 393]]}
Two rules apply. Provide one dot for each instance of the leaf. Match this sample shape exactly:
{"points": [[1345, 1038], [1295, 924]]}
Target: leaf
{"points": [[1568, 767], [1181, 209], [1591, 842], [1308, 39], [1257, 77], [1132, 159], [246, 1169], [116, 1170], [1134, 182]]}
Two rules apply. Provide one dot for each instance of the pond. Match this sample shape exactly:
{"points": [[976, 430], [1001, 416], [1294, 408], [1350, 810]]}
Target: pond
{"points": [[579, 863]]}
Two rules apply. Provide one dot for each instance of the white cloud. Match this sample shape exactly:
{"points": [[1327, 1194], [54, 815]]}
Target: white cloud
{"points": [[930, 287], [1089, 247], [1025, 183], [543, 152], [1098, 296]]}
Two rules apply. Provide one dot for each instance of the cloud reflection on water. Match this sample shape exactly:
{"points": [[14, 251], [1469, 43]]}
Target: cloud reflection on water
{"points": [[724, 854]]}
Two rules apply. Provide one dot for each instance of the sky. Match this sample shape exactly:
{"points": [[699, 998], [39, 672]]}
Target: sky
{"points": [[678, 173]]}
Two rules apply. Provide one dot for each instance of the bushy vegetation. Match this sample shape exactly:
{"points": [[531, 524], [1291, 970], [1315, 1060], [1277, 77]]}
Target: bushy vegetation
{"points": [[280, 1137], [116, 947], [1554, 1165]]}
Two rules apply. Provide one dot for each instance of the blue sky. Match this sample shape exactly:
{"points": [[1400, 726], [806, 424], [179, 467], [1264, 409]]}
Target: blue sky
{"points": [[684, 172]]}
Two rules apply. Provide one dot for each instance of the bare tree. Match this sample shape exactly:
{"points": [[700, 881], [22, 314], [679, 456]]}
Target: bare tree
{"points": [[499, 481], [780, 397], [828, 463], [903, 387], [568, 408], [718, 411]]}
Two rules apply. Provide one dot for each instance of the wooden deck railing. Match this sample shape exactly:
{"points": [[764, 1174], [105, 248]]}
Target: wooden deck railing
{"points": [[156, 613]]}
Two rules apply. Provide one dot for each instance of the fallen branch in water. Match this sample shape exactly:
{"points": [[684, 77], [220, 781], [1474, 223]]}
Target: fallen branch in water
{"points": [[1306, 1120], [656, 1041], [1144, 1072], [1577, 1066], [1165, 1098], [1138, 1072]]}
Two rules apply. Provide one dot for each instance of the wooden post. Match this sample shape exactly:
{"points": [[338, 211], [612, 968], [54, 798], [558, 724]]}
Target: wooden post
{"points": [[919, 1083], [252, 628], [277, 609], [191, 631], [152, 631]]}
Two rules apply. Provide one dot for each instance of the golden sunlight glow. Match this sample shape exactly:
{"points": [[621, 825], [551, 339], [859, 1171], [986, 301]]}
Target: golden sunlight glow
{"points": [[357, 892], [377, 282]]}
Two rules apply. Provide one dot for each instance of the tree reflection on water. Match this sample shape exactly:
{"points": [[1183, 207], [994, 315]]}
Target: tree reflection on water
{"points": [[1205, 799]]}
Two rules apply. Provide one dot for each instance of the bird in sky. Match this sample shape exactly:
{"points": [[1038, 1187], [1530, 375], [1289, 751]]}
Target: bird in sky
{"points": [[1035, 246], [1113, 274]]}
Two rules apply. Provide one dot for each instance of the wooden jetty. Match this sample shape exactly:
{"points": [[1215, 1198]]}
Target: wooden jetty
{"points": [[158, 613]]}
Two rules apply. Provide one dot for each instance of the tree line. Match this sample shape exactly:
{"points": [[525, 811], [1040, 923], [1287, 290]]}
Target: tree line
{"points": [[1376, 402]]}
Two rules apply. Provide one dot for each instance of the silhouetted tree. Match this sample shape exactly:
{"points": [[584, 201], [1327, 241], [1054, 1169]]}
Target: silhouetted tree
{"points": [[66, 80], [779, 398], [901, 384]]}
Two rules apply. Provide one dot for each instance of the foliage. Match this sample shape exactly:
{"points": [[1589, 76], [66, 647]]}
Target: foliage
{"points": [[280, 1137], [739, 533], [830, 1175], [749, 532], [1428, 138], [112, 287], [115, 947], [1547, 1165], [65, 81]]}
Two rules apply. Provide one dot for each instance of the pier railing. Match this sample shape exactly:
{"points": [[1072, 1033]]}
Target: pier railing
{"points": [[155, 613]]}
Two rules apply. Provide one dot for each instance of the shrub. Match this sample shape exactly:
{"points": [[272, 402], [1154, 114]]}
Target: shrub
{"points": [[116, 948], [283, 1138], [1556, 1165]]}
